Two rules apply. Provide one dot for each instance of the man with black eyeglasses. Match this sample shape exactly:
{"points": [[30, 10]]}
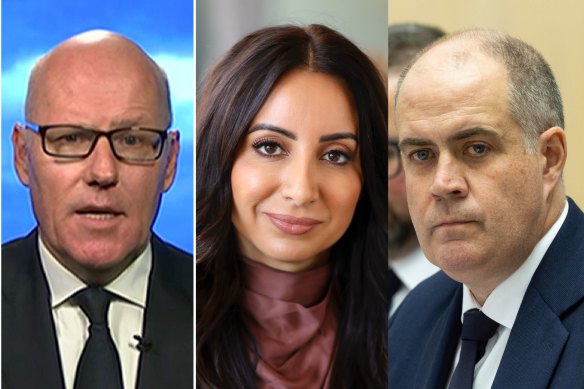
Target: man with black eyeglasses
{"points": [[91, 298]]}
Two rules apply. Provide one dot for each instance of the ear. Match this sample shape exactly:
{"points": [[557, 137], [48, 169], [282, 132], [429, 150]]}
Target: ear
{"points": [[22, 161], [170, 170], [553, 149]]}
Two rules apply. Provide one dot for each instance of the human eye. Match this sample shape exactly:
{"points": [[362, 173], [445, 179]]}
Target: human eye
{"points": [[421, 155], [134, 139], [337, 157], [130, 140], [68, 136], [477, 149], [268, 148]]}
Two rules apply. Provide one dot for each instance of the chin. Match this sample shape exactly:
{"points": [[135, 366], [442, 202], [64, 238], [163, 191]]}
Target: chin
{"points": [[102, 256], [291, 260], [458, 261]]}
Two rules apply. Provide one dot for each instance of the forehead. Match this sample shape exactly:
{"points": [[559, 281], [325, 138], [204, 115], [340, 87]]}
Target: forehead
{"points": [[452, 88], [305, 100], [90, 84]]}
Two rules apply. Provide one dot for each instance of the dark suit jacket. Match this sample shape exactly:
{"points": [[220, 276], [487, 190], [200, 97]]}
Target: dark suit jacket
{"points": [[545, 347], [30, 356]]}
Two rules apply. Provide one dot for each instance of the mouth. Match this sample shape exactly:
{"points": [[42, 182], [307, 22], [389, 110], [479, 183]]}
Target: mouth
{"points": [[98, 213], [291, 224], [452, 223]]}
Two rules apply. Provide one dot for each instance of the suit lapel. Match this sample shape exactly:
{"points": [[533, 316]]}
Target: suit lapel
{"points": [[534, 348], [29, 345], [438, 353], [538, 336], [168, 323]]}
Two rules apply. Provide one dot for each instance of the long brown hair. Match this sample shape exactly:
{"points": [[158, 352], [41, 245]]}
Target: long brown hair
{"points": [[232, 94]]}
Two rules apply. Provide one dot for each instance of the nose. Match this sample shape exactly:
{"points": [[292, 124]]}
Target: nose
{"points": [[300, 182], [103, 165], [449, 180]]}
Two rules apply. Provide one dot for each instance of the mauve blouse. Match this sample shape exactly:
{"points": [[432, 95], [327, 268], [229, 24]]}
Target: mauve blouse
{"points": [[293, 320]]}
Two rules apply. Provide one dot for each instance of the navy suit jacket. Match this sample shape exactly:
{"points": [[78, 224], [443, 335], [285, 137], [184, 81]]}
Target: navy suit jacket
{"points": [[546, 344], [30, 355]]}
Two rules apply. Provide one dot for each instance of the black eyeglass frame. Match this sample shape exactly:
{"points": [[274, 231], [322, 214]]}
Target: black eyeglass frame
{"points": [[395, 145], [42, 129]]}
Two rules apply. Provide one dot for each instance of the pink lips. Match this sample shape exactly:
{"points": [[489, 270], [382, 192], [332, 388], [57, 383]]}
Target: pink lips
{"points": [[292, 225]]}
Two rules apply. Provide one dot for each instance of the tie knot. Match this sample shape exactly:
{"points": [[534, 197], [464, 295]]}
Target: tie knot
{"points": [[95, 303], [477, 326]]}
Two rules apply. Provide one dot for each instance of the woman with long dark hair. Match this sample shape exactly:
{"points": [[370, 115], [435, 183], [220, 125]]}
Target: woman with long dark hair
{"points": [[292, 215]]}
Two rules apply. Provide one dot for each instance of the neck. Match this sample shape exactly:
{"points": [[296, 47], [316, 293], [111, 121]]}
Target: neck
{"points": [[480, 295]]}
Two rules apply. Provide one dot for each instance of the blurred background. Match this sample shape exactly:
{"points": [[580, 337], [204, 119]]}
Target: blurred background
{"points": [[221, 23], [555, 29], [164, 30]]}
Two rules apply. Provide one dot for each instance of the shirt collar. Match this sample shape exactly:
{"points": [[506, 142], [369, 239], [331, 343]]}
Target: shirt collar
{"points": [[413, 268], [131, 284], [504, 302]]}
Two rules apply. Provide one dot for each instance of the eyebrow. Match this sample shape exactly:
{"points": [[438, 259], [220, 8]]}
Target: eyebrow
{"points": [[474, 131], [340, 135], [130, 122], [291, 135], [461, 135], [271, 127], [125, 122]]}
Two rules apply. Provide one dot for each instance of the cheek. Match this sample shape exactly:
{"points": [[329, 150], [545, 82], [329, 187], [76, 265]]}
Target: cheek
{"points": [[419, 204], [416, 193], [251, 184], [524, 195], [51, 185], [353, 194], [342, 194], [150, 183]]}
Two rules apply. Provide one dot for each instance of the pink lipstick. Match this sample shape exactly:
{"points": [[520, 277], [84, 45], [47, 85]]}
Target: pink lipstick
{"points": [[292, 225]]}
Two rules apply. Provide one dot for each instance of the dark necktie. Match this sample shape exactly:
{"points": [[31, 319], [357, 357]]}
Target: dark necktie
{"points": [[99, 365], [477, 329]]}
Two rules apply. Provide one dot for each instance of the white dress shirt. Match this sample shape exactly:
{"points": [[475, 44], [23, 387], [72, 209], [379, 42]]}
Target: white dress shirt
{"points": [[125, 317], [411, 269], [502, 306]]}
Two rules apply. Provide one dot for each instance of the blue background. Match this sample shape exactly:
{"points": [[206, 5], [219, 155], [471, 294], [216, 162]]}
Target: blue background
{"points": [[164, 29]]}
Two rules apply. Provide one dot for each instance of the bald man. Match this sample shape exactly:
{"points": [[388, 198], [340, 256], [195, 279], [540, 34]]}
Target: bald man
{"points": [[91, 297], [480, 124]]}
